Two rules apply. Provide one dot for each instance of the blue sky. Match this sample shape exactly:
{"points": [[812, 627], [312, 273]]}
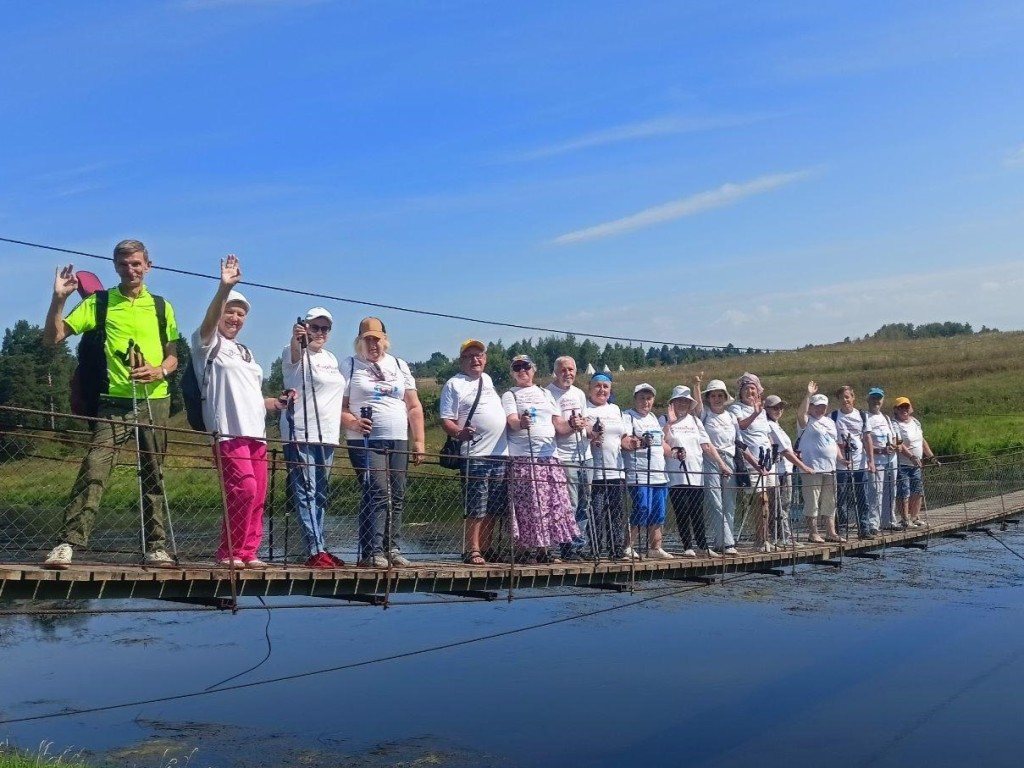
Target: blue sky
{"points": [[765, 174]]}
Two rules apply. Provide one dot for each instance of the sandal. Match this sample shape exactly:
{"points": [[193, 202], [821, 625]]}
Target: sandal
{"points": [[547, 557], [473, 557], [835, 539]]}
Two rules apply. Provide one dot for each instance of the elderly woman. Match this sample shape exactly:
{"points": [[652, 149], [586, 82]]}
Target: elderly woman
{"points": [[756, 436], [235, 410], [880, 442], [542, 513], [608, 500], [379, 408], [787, 459], [312, 427], [820, 450], [686, 446], [644, 458], [720, 483], [912, 450], [852, 491]]}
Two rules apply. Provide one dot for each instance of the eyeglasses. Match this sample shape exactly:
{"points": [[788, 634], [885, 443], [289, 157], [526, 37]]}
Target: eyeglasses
{"points": [[474, 355], [319, 328], [520, 367]]}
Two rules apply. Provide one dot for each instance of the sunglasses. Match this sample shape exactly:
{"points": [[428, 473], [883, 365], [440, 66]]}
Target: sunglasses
{"points": [[319, 328], [520, 367]]}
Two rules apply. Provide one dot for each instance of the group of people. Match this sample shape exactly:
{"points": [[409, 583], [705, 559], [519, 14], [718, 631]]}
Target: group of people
{"points": [[553, 463]]}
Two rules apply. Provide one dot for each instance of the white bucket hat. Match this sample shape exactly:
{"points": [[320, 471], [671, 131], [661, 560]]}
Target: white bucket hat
{"points": [[717, 385]]}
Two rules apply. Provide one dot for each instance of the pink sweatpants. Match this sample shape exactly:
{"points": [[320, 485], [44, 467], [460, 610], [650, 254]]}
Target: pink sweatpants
{"points": [[244, 464]]}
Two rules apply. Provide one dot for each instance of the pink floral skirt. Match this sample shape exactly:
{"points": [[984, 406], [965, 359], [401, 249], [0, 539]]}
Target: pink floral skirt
{"points": [[542, 514]]}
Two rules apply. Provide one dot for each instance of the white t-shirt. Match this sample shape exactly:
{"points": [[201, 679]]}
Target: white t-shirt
{"points": [[882, 433], [608, 461], [325, 386], [457, 397], [852, 425], [781, 439], [636, 461], [722, 429], [382, 386], [574, 448], [687, 433], [818, 444], [542, 408], [232, 389], [913, 438], [756, 436]]}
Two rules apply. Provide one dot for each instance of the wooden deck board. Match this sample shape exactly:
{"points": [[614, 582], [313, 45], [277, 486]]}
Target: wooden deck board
{"points": [[191, 581]]}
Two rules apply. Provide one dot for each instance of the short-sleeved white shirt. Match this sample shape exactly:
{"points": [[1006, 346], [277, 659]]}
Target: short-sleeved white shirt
{"points": [[912, 435], [818, 444], [382, 386], [689, 434], [457, 397], [781, 439], [232, 387], [325, 387], [636, 461], [852, 425], [882, 433], [542, 408], [722, 429], [608, 461], [574, 448]]}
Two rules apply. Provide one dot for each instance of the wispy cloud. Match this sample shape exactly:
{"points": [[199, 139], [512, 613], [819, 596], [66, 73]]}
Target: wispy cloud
{"points": [[725, 195], [1014, 158], [662, 126]]}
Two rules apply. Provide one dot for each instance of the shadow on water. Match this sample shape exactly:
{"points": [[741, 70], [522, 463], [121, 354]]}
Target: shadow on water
{"points": [[877, 663]]}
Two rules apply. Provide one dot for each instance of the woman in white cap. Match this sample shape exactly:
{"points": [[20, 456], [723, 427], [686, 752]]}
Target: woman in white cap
{"points": [[608, 502], [818, 444], [379, 409], [912, 450], [644, 459], [312, 427], [720, 484], [881, 444], [235, 410], [782, 447], [542, 513], [687, 446], [756, 436]]}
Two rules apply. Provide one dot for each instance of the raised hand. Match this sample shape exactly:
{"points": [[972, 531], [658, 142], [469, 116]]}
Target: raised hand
{"points": [[230, 270], [64, 281], [812, 388]]}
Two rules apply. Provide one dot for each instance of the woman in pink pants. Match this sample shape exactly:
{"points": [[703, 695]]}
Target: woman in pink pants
{"points": [[234, 410]]}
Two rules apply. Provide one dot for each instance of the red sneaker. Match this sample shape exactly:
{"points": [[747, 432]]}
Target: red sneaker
{"points": [[319, 560], [338, 562]]}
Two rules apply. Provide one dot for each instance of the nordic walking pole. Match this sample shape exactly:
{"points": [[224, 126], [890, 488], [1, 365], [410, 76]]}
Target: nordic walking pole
{"points": [[160, 469], [645, 532], [130, 358], [599, 431], [583, 483], [529, 442]]}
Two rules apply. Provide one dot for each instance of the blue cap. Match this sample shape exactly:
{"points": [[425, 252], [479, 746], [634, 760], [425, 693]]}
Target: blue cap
{"points": [[876, 391]]}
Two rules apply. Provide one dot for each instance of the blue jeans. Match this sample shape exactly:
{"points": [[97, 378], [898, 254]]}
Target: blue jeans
{"points": [[485, 490], [381, 461], [852, 499], [883, 496], [580, 477], [309, 469], [720, 503]]}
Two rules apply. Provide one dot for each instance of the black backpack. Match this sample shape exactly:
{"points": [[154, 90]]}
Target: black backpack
{"points": [[91, 379], [193, 392]]}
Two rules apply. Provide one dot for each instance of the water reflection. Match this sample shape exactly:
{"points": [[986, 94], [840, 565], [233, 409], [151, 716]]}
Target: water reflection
{"points": [[876, 664]]}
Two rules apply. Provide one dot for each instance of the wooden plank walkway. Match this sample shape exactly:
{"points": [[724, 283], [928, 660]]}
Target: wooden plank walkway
{"points": [[208, 584]]}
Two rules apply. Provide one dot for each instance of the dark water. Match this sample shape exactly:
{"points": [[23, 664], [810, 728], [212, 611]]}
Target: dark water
{"points": [[913, 660]]}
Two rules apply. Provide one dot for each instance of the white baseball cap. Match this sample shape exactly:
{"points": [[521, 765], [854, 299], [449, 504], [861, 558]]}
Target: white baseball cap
{"points": [[316, 312], [645, 387], [819, 399], [238, 297]]}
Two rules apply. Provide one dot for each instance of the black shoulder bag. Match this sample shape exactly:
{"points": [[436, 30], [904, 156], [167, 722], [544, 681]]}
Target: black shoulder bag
{"points": [[451, 451]]}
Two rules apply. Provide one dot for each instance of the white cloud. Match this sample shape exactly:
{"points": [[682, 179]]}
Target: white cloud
{"points": [[1015, 158], [725, 195], [662, 126]]}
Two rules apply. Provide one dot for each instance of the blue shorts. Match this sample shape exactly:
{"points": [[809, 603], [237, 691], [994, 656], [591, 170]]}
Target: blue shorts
{"points": [[485, 488], [648, 504], [909, 482]]}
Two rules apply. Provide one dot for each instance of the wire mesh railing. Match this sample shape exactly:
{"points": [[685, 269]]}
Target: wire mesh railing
{"points": [[38, 469]]}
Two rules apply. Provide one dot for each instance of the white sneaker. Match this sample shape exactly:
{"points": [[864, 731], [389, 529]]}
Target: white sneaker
{"points": [[730, 551], [689, 553], [158, 558], [766, 547], [397, 560], [712, 553], [231, 562], [59, 558], [630, 554], [918, 523], [255, 563], [659, 554]]}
